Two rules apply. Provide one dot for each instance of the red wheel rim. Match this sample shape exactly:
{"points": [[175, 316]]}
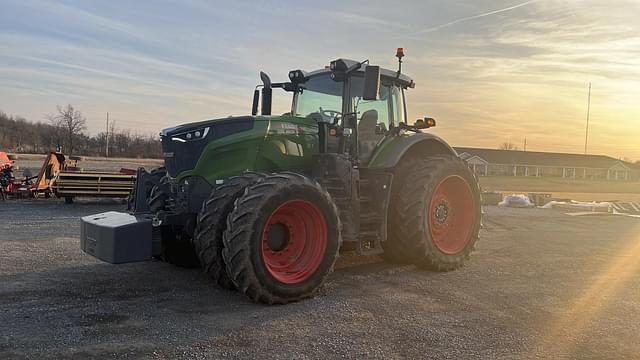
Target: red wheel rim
{"points": [[451, 214], [294, 241]]}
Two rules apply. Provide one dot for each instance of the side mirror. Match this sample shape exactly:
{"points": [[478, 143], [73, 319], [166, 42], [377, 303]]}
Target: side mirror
{"points": [[256, 99], [371, 86]]}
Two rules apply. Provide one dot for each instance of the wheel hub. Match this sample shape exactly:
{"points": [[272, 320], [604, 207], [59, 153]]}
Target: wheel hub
{"points": [[452, 214], [442, 212], [294, 241], [278, 237]]}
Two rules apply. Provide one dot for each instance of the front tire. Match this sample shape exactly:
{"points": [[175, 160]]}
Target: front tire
{"points": [[282, 239], [436, 213], [212, 222]]}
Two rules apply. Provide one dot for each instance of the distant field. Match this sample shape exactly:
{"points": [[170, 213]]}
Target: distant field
{"points": [[565, 188]]}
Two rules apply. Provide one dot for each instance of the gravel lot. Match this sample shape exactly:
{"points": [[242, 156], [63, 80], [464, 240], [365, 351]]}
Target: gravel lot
{"points": [[541, 285]]}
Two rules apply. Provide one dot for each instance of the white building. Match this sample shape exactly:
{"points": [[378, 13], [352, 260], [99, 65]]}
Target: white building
{"points": [[490, 162]]}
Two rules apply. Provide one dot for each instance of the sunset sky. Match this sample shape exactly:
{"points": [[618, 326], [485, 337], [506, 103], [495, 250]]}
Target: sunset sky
{"points": [[488, 70]]}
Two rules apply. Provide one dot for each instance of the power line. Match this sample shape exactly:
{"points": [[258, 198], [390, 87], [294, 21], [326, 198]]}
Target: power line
{"points": [[107, 148], [586, 135]]}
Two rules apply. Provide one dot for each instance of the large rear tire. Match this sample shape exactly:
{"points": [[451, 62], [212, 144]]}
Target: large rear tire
{"points": [[212, 222], [282, 239], [436, 213], [395, 249]]}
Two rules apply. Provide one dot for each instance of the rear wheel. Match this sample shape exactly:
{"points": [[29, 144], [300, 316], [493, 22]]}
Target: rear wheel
{"points": [[282, 239], [212, 222], [436, 213], [395, 249]]}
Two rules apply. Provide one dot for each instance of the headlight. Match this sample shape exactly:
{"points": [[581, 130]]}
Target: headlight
{"points": [[297, 76], [191, 135]]}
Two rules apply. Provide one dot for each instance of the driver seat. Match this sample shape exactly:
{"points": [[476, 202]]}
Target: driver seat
{"points": [[367, 137]]}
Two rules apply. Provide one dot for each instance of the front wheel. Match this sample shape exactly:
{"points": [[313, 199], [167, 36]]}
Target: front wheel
{"points": [[282, 239], [212, 222]]}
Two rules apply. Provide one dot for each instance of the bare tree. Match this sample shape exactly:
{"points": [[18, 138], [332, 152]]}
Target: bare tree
{"points": [[508, 145], [57, 131], [70, 123]]}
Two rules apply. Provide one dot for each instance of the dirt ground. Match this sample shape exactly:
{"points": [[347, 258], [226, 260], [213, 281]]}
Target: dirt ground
{"points": [[540, 285]]}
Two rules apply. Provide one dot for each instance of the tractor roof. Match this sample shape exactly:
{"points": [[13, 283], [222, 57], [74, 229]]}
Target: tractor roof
{"points": [[385, 74]]}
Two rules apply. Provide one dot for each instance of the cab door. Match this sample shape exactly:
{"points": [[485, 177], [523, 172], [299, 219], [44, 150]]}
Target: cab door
{"points": [[375, 118]]}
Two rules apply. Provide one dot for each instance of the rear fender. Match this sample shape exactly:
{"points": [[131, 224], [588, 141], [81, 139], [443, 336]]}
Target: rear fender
{"points": [[395, 149]]}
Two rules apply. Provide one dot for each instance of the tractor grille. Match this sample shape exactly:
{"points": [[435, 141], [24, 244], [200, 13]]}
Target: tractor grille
{"points": [[180, 155]]}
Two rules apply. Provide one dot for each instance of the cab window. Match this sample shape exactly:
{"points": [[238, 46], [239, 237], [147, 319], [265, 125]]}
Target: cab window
{"points": [[382, 106], [397, 105]]}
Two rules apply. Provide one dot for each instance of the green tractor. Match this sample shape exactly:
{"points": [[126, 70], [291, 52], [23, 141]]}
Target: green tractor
{"points": [[265, 203]]}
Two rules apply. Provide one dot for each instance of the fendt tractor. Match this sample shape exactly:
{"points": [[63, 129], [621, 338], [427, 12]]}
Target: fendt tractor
{"points": [[265, 203]]}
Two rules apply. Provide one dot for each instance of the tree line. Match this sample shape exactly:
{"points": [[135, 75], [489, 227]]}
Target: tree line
{"points": [[65, 131]]}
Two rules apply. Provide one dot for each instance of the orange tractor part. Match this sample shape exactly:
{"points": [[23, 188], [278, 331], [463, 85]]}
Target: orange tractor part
{"points": [[5, 162]]}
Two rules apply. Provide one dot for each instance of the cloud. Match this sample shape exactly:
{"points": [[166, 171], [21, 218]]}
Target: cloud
{"points": [[478, 16]]}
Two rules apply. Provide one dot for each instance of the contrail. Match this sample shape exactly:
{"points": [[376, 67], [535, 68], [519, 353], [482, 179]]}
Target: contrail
{"points": [[436, 28]]}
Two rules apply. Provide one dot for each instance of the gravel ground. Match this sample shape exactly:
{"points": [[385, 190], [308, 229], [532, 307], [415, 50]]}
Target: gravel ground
{"points": [[541, 285]]}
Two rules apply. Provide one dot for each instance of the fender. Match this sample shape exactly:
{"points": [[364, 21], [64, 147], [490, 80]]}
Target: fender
{"points": [[393, 149]]}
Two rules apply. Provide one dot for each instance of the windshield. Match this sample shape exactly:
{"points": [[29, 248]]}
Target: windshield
{"points": [[319, 96]]}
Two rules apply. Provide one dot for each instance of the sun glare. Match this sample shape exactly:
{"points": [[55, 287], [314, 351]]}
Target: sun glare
{"points": [[575, 323]]}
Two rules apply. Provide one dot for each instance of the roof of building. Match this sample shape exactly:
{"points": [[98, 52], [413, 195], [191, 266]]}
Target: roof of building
{"points": [[517, 157]]}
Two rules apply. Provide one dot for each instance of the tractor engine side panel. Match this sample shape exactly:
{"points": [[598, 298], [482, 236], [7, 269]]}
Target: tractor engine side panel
{"points": [[227, 156], [290, 144], [183, 147]]}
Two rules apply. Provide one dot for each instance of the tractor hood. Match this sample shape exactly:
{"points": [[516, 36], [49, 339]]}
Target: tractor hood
{"points": [[182, 145]]}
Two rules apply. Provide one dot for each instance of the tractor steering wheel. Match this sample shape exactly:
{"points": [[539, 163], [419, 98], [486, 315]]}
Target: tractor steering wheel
{"points": [[330, 116]]}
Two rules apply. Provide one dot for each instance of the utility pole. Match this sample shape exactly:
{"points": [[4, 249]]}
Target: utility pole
{"points": [[107, 147], [525, 144], [586, 135]]}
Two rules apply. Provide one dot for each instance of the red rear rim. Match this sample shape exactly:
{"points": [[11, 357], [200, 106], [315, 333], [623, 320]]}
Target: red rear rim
{"points": [[294, 241], [451, 214]]}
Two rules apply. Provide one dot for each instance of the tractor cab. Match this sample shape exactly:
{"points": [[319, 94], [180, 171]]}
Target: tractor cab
{"points": [[354, 103]]}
